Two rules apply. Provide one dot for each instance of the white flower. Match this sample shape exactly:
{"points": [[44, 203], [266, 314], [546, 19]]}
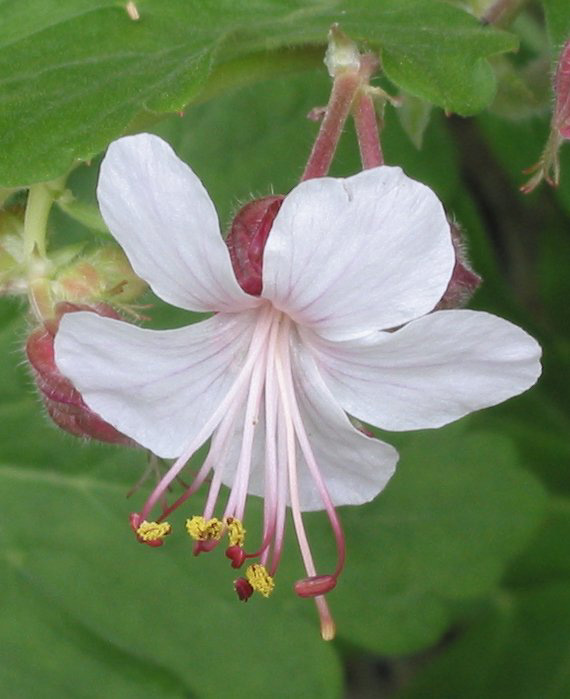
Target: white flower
{"points": [[351, 270]]}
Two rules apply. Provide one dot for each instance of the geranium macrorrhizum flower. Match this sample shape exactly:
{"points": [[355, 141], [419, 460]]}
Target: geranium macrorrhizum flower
{"points": [[352, 269]]}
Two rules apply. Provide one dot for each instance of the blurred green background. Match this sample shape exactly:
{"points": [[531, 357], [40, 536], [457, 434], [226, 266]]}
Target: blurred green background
{"points": [[457, 581]]}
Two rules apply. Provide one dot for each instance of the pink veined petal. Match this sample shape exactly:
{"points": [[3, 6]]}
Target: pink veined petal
{"points": [[157, 387], [354, 467], [430, 372], [161, 215], [348, 256]]}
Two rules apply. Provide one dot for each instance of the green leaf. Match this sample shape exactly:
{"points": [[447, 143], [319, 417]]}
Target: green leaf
{"points": [[518, 650], [455, 76], [415, 115], [546, 560], [78, 73], [558, 21]]}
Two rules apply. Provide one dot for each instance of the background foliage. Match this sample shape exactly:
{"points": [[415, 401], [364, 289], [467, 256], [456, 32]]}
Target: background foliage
{"points": [[458, 575]]}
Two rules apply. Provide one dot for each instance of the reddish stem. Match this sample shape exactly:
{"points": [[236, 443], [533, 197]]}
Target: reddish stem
{"points": [[345, 87], [367, 133]]}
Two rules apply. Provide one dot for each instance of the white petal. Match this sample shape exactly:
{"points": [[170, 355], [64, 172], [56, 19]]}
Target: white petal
{"points": [[158, 387], [369, 252], [160, 213], [354, 467], [430, 372]]}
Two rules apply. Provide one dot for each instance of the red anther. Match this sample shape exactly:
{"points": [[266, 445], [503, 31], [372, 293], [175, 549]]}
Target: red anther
{"points": [[243, 588], [135, 520], [246, 240], [237, 556], [204, 546], [315, 586]]}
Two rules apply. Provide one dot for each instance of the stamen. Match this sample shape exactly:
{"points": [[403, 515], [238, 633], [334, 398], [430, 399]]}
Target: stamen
{"points": [[315, 586], [237, 556], [153, 532], [312, 465], [236, 531], [271, 467], [259, 579], [243, 588], [281, 493], [217, 454], [201, 529], [238, 496], [204, 546], [289, 406], [234, 394], [328, 627]]}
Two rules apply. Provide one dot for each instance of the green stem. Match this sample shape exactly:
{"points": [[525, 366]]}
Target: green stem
{"points": [[40, 199]]}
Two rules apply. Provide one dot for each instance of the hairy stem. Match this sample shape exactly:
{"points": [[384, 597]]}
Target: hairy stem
{"points": [[345, 87]]}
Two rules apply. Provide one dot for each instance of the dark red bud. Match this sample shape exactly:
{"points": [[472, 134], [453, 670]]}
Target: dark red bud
{"points": [[63, 402], [243, 588], [246, 240], [464, 281], [315, 586]]}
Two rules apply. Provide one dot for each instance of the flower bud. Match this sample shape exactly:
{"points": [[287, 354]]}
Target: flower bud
{"points": [[464, 281], [63, 402], [102, 274], [246, 240]]}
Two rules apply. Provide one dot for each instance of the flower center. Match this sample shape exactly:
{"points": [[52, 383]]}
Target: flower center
{"points": [[263, 409]]}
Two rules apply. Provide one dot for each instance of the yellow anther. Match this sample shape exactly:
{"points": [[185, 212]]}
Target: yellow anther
{"points": [[201, 529], [153, 531], [258, 577], [236, 531]]}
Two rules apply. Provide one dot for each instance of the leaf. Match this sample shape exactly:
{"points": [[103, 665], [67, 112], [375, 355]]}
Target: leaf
{"points": [[546, 560], [78, 73], [415, 115], [520, 649], [557, 21], [465, 83]]}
